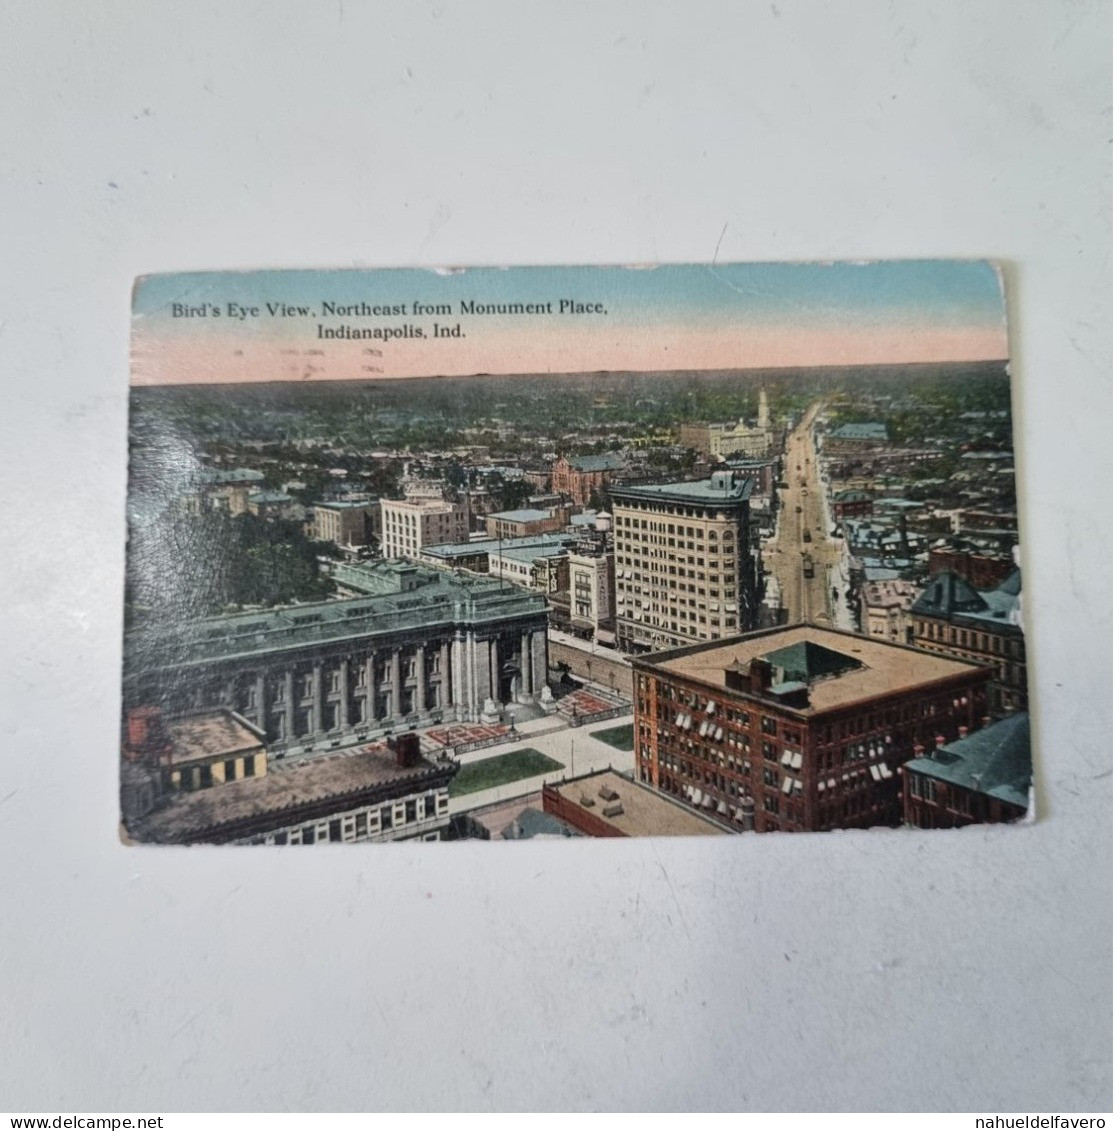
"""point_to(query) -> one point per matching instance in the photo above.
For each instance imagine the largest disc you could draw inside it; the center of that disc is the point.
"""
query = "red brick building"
(804, 727)
(980, 778)
(579, 477)
(852, 504)
(981, 571)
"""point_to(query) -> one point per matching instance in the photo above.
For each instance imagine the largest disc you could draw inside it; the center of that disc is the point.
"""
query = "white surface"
(962, 970)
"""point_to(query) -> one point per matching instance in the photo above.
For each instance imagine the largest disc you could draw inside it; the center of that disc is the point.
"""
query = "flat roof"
(881, 668)
(492, 545)
(524, 514)
(435, 597)
(216, 734)
(318, 779)
(704, 491)
(646, 811)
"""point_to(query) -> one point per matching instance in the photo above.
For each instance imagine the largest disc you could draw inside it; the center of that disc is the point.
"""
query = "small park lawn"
(622, 738)
(504, 768)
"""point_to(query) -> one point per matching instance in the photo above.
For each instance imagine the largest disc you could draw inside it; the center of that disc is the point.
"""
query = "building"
(272, 504)
(476, 556)
(543, 568)
(354, 523)
(885, 609)
(225, 489)
(852, 503)
(526, 521)
(592, 590)
(420, 646)
(979, 778)
(580, 477)
(803, 727)
(198, 751)
(378, 793)
(981, 571)
(852, 438)
(684, 566)
(410, 525)
(607, 804)
(952, 618)
(722, 441)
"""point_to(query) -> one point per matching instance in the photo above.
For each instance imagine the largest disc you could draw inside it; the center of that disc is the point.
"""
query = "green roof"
(605, 462)
(995, 761)
(722, 488)
(949, 597)
(806, 661)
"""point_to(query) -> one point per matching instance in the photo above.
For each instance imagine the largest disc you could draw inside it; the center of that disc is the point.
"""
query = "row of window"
(363, 824)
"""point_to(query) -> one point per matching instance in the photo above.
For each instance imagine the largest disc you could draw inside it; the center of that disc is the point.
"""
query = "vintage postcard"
(555, 552)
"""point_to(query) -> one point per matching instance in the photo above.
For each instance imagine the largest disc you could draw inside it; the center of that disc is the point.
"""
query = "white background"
(965, 970)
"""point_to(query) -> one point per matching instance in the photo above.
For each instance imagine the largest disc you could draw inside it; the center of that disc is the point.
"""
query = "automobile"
(797, 510)
(807, 537)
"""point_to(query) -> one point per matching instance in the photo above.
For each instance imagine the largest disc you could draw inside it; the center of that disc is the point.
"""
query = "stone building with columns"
(416, 646)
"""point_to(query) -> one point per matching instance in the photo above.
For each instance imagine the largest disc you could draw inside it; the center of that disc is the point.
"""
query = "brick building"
(580, 477)
(803, 727)
(852, 504)
(952, 618)
(979, 778)
(981, 571)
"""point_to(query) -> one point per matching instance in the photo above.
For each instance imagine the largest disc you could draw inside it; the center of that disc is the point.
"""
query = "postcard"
(552, 552)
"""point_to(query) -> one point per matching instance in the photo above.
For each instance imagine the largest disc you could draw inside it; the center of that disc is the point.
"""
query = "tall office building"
(685, 567)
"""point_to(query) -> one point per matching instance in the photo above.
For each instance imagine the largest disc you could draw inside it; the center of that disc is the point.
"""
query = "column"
(538, 660)
(493, 663)
(526, 675)
(343, 681)
(288, 705)
(480, 674)
(370, 688)
(315, 708)
(447, 676)
(420, 678)
(396, 685)
(261, 703)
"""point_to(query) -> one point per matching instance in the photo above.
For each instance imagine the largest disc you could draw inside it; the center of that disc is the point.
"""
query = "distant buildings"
(981, 571)
(979, 778)
(684, 565)
(721, 441)
(527, 521)
(796, 728)
(356, 523)
(225, 489)
(580, 477)
(885, 609)
(952, 618)
(410, 525)
(421, 646)
(852, 504)
(272, 504)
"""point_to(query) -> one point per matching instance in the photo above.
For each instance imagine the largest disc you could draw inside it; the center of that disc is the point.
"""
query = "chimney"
(760, 676)
(963, 732)
(407, 750)
(144, 733)
(940, 741)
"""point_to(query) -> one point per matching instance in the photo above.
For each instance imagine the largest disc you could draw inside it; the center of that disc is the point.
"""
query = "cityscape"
(566, 605)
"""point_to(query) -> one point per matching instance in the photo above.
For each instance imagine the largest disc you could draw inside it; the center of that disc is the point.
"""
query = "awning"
(787, 784)
(787, 758)
(796, 760)
(875, 773)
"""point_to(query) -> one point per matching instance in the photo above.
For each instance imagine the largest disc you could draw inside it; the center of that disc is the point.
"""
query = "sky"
(219, 327)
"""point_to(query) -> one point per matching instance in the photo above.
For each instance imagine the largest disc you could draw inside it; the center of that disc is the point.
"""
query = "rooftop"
(871, 430)
(948, 595)
(840, 668)
(645, 811)
(995, 761)
(524, 514)
(333, 776)
(888, 594)
(606, 462)
(401, 596)
(270, 497)
(447, 550)
(211, 736)
(215, 476)
(722, 487)
(347, 505)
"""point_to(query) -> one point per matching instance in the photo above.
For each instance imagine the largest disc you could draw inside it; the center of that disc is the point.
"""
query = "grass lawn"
(490, 772)
(622, 738)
